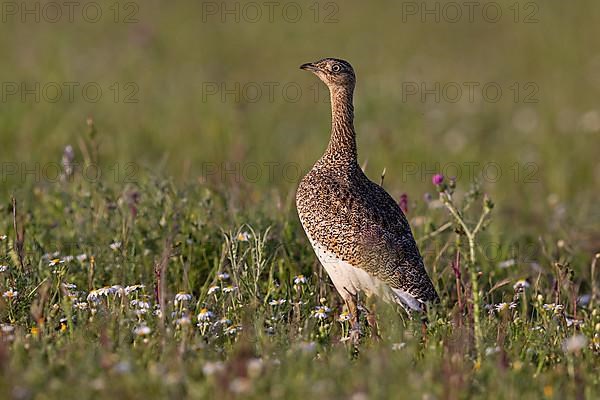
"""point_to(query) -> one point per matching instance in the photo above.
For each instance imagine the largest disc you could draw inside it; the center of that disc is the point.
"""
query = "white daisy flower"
(94, 296)
(229, 289)
(69, 286)
(223, 276)
(144, 305)
(557, 308)
(133, 288)
(321, 312)
(3, 268)
(205, 315)
(55, 261)
(115, 246)
(10, 294)
(213, 290)
(299, 280)
(243, 237)
(521, 285)
(573, 321)
(116, 289)
(502, 307)
(182, 297)
(103, 291)
(345, 316)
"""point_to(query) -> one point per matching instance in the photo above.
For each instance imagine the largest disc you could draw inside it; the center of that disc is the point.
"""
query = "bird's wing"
(370, 231)
(394, 259)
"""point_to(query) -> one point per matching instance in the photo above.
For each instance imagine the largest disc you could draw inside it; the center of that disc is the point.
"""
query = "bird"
(358, 232)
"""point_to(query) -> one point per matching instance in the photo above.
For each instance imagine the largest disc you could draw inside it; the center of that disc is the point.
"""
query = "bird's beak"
(309, 67)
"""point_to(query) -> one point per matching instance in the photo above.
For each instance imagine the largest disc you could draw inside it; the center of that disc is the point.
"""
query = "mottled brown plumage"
(353, 222)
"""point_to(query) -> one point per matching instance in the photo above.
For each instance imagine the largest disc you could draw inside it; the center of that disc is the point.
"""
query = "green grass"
(60, 340)
(165, 195)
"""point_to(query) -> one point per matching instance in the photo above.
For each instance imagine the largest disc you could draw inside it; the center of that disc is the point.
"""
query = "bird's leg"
(372, 318)
(354, 321)
(424, 322)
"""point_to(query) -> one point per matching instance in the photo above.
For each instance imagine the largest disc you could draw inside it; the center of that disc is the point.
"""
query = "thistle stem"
(471, 235)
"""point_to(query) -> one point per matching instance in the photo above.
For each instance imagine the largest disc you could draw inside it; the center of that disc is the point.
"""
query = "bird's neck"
(342, 145)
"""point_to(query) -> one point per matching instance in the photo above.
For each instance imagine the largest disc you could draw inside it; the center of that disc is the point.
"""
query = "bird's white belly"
(349, 280)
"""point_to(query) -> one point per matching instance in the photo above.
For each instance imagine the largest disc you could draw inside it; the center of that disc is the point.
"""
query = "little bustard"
(357, 230)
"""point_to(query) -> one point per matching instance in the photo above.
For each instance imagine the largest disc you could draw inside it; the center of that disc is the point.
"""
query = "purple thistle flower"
(403, 203)
(437, 179)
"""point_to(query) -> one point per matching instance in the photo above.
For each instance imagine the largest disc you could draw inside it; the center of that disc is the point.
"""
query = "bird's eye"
(336, 68)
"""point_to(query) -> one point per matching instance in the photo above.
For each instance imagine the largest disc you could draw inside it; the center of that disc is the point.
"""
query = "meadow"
(149, 242)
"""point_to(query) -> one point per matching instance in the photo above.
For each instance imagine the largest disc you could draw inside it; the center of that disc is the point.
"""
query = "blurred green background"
(171, 56)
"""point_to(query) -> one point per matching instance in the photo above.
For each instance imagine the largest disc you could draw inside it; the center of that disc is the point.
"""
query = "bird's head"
(334, 72)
